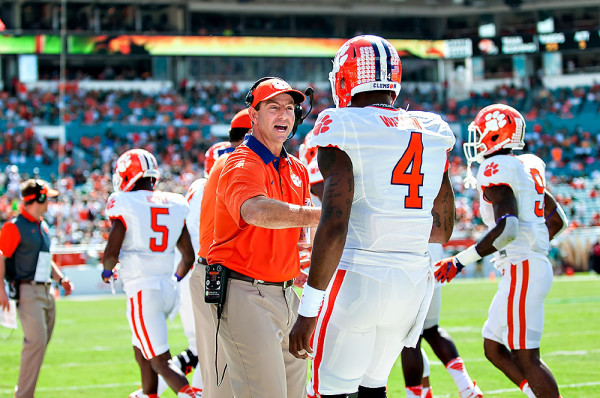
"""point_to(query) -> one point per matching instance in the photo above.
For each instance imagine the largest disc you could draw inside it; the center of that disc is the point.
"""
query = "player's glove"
(447, 269)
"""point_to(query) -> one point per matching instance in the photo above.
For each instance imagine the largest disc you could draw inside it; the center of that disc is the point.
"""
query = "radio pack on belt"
(215, 284)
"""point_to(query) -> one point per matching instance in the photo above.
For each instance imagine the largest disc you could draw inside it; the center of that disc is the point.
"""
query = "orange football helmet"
(364, 63)
(133, 165)
(495, 127)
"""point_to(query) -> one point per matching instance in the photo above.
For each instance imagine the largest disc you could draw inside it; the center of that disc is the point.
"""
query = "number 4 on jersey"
(408, 171)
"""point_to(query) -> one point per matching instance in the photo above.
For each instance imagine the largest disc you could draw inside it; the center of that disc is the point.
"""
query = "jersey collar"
(262, 151)
(28, 216)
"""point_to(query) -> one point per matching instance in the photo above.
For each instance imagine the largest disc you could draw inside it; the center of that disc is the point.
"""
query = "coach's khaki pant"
(205, 341)
(255, 327)
(36, 310)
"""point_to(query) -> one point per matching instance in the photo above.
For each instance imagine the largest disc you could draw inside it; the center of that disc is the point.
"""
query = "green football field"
(90, 353)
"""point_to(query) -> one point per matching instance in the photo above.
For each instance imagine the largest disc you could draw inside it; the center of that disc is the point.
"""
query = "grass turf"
(90, 354)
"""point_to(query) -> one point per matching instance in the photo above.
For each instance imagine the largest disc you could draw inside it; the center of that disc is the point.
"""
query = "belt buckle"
(257, 281)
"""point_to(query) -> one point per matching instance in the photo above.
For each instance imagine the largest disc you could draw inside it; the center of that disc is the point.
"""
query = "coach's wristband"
(179, 278)
(107, 273)
(310, 302)
(468, 256)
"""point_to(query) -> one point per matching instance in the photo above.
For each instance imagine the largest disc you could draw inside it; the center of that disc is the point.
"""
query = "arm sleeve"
(241, 180)
(9, 239)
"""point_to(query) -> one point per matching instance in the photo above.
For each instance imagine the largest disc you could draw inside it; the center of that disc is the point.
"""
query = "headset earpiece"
(250, 96)
(40, 195)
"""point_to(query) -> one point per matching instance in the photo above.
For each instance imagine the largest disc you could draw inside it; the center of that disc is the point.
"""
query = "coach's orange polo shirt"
(207, 207)
(266, 254)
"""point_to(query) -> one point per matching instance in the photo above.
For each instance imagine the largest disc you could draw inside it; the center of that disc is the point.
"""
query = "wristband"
(107, 273)
(468, 256)
(176, 275)
(310, 302)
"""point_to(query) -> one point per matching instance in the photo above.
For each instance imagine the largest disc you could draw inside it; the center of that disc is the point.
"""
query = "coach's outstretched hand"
(446, 269)
(300, 336)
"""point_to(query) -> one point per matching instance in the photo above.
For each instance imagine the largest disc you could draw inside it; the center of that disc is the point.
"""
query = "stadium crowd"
(171, 125)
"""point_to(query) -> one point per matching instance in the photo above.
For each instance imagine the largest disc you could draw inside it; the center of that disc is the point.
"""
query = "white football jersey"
(154, 221)
(398, 159)
(308, 156)
(525, 174)
(194, 198)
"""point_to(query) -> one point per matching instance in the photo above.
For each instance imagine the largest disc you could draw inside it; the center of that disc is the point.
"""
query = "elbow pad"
(510, 232)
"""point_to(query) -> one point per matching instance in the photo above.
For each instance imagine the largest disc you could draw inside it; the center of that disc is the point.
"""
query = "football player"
(213, 153)
(146, 227)
(386, 194)
(522, 217)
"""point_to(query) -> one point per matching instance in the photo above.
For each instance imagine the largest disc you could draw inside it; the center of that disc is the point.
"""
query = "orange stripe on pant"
(146, 340)
(135, 330)
(522, 300)
(511, 299)
(335, 289)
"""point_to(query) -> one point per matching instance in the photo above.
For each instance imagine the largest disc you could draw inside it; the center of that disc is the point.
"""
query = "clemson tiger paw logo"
(322, 125)
(495, 121)
(490, 170)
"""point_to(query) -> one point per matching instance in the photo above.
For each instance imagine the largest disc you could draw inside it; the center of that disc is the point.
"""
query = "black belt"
(246, 278)
(33, 282)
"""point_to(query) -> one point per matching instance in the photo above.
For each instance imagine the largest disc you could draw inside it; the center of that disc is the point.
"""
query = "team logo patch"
(490, 169)
(495, 121)
(110, 204)
(280, 85)
(296, 180)
(322, 125)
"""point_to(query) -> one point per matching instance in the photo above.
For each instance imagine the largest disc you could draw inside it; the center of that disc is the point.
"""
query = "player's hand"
(446, 269)
(300, 336)
(106, 275)
(67, 286)
(3, 300)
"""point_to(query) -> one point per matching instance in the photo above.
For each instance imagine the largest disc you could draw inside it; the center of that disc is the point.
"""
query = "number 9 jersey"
(524, 174)
(398, 160)
(153, 221)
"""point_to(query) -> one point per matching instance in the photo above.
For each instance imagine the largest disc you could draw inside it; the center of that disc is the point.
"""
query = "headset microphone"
(298, 117)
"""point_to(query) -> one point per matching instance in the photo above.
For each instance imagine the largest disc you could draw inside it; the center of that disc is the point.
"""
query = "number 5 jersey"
(153, 221)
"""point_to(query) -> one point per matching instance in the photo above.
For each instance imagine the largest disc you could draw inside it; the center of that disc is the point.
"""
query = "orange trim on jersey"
(447, 166)
(335, 289)
(119, 218)
(522, 301)
(9, 239)
(148, 342)
(484, 187)
(190, 196)
(135, 330)
(511, 300)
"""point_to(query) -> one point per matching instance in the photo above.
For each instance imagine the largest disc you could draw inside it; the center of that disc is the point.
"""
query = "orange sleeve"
(241, 180)
(9, 239)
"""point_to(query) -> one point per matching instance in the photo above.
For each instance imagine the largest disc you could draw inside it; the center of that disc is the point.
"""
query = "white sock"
(526, 389)
(456, 369)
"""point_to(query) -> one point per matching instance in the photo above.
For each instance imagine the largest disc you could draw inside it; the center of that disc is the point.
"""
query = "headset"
(39, 194)
(298, 117)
